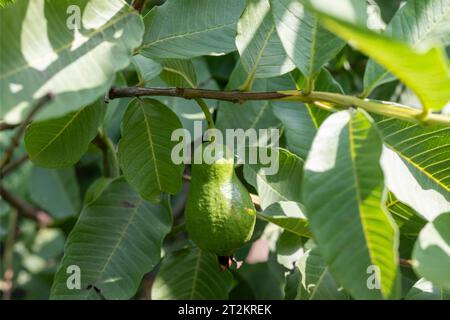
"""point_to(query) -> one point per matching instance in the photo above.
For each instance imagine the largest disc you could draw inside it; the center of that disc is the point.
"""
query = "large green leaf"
(283, 185)
(61, 142)
(116, 240)
(431, 255)
(418, 22)
(289, 216)
(41, 54)
(425, 290)
(342, 194)
(184, 29)
(55, 191)
(301, 121)
(416, 164)
(191, 274)
(316, 281)
(145, 148)
(259, 46)
(307, 43)
(426, 72)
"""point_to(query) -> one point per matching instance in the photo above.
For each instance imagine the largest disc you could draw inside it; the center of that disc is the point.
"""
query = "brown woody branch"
(189, 93)
(15, 140)
(25, 209)
(13, 166)
(320, 99)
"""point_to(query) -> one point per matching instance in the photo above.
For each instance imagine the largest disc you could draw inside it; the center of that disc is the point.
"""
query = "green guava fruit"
(219, 215)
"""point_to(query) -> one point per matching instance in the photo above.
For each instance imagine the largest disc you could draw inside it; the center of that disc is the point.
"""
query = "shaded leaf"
(289, 216)
(316, 281)
(281, 185)
(55, 191)
(116, 240)
(191, 274)
(145, 148)
(425, 290)
(61, 142)
(431, 255)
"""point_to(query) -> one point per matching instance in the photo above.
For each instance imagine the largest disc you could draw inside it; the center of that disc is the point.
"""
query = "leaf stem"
(208, 115)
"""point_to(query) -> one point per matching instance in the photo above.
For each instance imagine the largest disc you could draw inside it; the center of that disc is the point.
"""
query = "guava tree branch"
(319, 98)
(15, 140)
(26, 209)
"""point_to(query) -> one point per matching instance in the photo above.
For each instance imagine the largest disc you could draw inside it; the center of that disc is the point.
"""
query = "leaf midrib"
(152, 151)
(58, 134)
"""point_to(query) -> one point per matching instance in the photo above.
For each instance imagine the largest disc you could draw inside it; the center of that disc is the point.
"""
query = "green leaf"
(416, 164)
(272, 288)
(354, 11)
(283, 185)
(259, 46)
(250, 114)
(429, 77)
(431, 255)
(308, 44)
(408, 220)
(289, 248)
(289, 216)
(191, 274)
(55, 191)
(301, 121)
(418, 22)
(316, 281)
(116, 240)
(342, 194)
(145, 148)
(184, 29)
(148, 69)
(179, 73)
(61, 142)
(425, 290)
(41, 54)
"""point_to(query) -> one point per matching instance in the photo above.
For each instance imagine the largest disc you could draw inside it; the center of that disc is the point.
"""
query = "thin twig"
(339, 100)
(8, 126)
(13, 166)
(405, 263)
(138, 5)
(15, 140)
(26, 209)
(190, 93)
